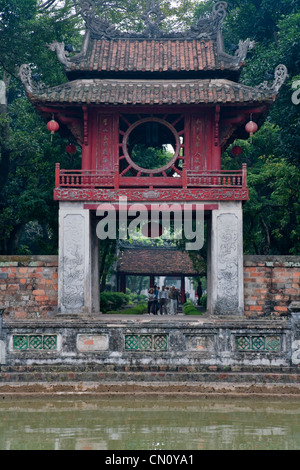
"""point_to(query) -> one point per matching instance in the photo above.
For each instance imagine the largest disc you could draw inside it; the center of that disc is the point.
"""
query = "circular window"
(151, 145)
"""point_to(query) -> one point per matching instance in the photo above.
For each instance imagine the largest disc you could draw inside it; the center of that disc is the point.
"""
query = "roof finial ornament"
(99, 27)
(219, 11)
(153, 17)
(280, 74)
(207, 27)
(30, 84)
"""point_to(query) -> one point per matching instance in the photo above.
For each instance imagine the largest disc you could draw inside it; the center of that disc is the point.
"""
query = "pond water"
(149, 424)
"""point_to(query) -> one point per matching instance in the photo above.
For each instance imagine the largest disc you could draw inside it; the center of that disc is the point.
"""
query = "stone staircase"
(142, 380)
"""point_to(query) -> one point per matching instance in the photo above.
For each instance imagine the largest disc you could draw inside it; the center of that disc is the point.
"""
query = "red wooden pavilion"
(129, 92)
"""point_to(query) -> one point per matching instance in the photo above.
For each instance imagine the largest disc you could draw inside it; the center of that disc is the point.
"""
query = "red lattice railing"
(112, 179)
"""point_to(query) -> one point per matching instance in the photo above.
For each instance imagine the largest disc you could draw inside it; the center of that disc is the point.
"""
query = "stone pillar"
(226, 260)
(78, 287)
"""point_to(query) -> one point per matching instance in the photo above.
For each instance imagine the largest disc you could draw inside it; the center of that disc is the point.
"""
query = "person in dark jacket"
(199, 292)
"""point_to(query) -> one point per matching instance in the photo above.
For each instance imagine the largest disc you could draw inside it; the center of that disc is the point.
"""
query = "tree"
(27, 158)
(28, 214)
(272, 214)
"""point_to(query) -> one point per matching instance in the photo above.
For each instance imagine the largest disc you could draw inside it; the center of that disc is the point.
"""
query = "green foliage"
(27, 158)
(112, 301)
(203, 300)
(27, 162)
(134, 298)
(26, 26)
(190, 309)
(136, 310)
(127, 14)
(150, 157)
(272, 214)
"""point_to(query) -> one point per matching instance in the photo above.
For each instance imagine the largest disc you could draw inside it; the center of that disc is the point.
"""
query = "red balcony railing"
(112, 179)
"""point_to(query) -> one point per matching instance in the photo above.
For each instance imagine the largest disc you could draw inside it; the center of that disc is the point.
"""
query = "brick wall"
(28, 286)
(271, 284)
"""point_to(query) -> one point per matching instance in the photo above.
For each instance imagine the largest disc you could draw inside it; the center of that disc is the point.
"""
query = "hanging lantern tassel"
(251, 128)
(52, 126)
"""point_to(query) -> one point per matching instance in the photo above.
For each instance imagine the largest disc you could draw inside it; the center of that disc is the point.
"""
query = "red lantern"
(71, 149)
(236, 150)
(251, 128)
(52, 126)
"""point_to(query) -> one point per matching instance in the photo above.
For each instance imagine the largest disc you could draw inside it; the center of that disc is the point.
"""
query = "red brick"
(38, 292)
(13, 286)
(20, 314)
(41, 298)
(280, 309)
(35, 275)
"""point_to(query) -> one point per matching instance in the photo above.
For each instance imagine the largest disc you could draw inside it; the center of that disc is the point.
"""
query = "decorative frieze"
(206, 194)
(146, 342)
(35, 342)
(258, 343)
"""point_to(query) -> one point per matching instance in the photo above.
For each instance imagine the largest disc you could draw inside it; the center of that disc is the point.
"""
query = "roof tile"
(149, 56)
(156, 261)
(120, 92)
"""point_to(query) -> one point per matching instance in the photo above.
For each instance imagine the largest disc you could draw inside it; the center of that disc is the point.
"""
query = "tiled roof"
(160, 92)
(150, 55)
(151, 261)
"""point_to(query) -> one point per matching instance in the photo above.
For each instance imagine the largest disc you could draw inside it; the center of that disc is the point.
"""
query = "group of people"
(163, 301)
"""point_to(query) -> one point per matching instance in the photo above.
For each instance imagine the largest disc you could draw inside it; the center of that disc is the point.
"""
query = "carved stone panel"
(227, 261)
(92, 343)
(227, 279)
(72, 275)
(74, 285)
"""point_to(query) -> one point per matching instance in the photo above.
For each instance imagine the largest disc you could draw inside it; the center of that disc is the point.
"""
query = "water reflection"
(148, 424)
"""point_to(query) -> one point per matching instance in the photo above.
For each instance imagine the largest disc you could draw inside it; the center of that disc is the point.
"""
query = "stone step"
(98, 375)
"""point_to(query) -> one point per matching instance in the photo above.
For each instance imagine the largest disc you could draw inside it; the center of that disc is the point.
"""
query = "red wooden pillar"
(215, 139)
(151, 281)
(85, 162)
(123, 283)
(182, 290)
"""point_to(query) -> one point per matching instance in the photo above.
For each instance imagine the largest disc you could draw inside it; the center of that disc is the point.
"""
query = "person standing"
(151, 300)
(173, 301)
(168, 300)
(163, 301)
(199, 292)
(156, 291)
